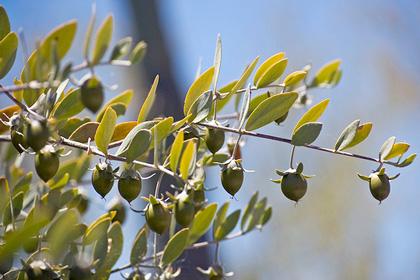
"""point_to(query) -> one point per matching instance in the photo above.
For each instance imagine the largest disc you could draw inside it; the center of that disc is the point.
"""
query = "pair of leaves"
(392, 149)
(270, 70)
(223, 224)
(307, 130)
(353, 134)
(329, 75)
(256, 214)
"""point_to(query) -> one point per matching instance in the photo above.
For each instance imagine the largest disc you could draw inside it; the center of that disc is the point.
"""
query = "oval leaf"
(306, 134)
(347, 135)
(201, 223)
(386, 148)
(362, 133)
(69, 106)
(123, 98)
(272, 73)
(105, 130)
(267, 64)
(245, 76)
(8, 48)
(84, 132)
(103, 38)
(271, 109)
(139, 249)
(187, 160)
(294, 78)
(198, 87)
(228, 225)
(398, 149)
(148, 102)
(135, 144)
(313, 114)
(176, 150)
(175, 247)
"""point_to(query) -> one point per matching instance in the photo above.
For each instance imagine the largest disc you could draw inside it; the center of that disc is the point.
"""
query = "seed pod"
(36, 135)
(103, 178)
(129, 185)
(215, 138)
(294, 186)
(379, 186)
(232, 177)
(92, 94)
(157, 216)
(18, 139)
(184, 209)
(117, 205)
(198, 197)
(46, 163)
(282, 118)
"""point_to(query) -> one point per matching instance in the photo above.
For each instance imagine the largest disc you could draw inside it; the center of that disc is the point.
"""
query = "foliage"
(42, 217)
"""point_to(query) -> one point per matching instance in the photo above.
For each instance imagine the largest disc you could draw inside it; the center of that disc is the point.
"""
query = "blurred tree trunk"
(168, 100)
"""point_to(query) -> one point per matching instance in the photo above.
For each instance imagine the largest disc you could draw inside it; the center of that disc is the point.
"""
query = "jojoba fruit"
(36, 135)
(157, 216)
(46, 163)
(103, 178)
(18, 140)
(379, 186)
(129, 185)
(294, 186)
(199, 198)
(92, 94)
(184, 209)
(232, 177)
(215, 138)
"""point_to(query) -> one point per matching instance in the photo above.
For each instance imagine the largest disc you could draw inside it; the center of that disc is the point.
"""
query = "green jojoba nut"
(36, 135)
(92, 94)
(157, 216)
(294, 186)
(47, 163)
(18, 140)
(379, 186)
(102, 178)
(129, 185)
(215, 138)
(232, 177)
(184, 209)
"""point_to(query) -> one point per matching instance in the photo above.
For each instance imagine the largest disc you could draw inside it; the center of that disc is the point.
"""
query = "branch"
(289, 141)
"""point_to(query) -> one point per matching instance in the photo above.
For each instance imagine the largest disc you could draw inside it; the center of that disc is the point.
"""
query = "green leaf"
(88, 35)
(4, 23)
(228, 225)
(294, 78)
(407, 161)
(257, 214)
(398, 149)
(124, 98)
(245, 106)
(329, 74)
(313, 114)
(347, 135)
(68, 126)
(121, 49)
(306, 134)
(176, 150)
(62, 231)
(187, 159)
(97, 229)
(135, 144)
(272, 73)
(84, 132)
(59, 40)
(201, 223)
(17, 204)
(115, 246)
(69, 106)
(163, 129)
(201, 107)
(266, 216)
(271, 109)
(139, 249)
(198, 87)
(386, 148)
(175, 247)
(8, 48)
(105, 130)
(256, 101)
(245, 76)
(138, 53)
(225, 89)
(248, 211)
(148, 103)
(362, 133)
(217, 62)
(266, 65)
(103, 38)
(22, 185)
(220, 217)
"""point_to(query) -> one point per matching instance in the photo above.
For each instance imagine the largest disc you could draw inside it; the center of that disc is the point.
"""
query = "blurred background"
(337, 231)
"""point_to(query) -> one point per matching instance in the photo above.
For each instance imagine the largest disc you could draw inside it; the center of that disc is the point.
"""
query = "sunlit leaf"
(329, 74)
(4, 23)
(398, 149)
(103, 38)
(228, 225)
(347, 135)
(245, 76)
(8, 48)
(124, 98)
(362, 133)
(122, 129)
(294, 78)
(386, 148)
(198, 87)
(69, 106)
(267, 64)
(105, 130)
(201, 223)
(148, 102)
(176, 150)
(273, 73)
(271, 109)
(313, 114)
(138, 52)
(187, 159)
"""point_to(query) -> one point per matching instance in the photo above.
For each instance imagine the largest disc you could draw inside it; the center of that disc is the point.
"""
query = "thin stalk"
(292, 153)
